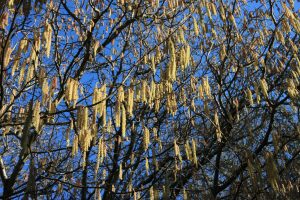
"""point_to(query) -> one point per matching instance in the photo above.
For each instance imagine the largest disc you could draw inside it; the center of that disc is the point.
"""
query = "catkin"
(249, 96)
(177, 151)
(195, 159)
(7, 52)
(47, 35)
(272, 171)
(120, 99)
(147, 166)
(196, 28)
(256, 88)
(36, 115)
(218, 128)
(171, 71)
(232, 20)
(264, 87)
(45, 92)
(130, 96)
(188, 151)
(123, 128)
(71, 93)
(144, 91)
(146, 138)
(120, 172)
(75, 146)
(206, 87)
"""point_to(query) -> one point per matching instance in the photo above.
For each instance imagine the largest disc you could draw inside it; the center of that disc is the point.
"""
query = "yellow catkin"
(232, 20)
(7, 52)
(151, 193)
(194, 148)
(249, 96)
(144, 91)
(35, 49)
(222, 13)
(218, 128)
(146, 138)
(172, 68)
(99, 157)
(120, 99)
(185, 196)
(36, 115)
(75, 146)
(147, 166)
(99, 99)
(47, 35)
(45, 92)
(200, 92)
(222, 52)
(272, 171)
(153, 68)
(206, 87)
(188, 151)
(256, 88)
(196, 28)
(177, 151)
(71, 93)
(130, 96)
(123, 128)
(264, 87)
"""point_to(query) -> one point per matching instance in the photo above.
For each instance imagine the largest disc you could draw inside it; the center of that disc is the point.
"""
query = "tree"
(135, 99)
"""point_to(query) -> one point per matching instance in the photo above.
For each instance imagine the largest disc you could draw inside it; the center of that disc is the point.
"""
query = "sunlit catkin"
(172, 68)
(249, 96)
(188, 150)
(120, 172)
(147, 166)
(218, 128)
(256, 88)
(120, 99)
(36, 115)
(232, 20)
(264, 87)
(194, 148)
(196, 28)
(123, 128)
(75, 146)
(146, 138)
(47, 35)
(130, 96)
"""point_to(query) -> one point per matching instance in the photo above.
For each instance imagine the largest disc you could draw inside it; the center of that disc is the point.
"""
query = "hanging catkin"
(177, 151)
(144, 91)
(171, 70)
(249, 96)
(206, 87)
(36, 115)
(147, 166)
(120, 172)
(196, 28)
(120, 99)
(256, 88)
(194, 147)
(272, 171)
(264, 87)
(7, 52)
(123, 128)
(130, 96)
(75, 146)
(146, 138)
(71, 93)
(47, 35)
(188, 150)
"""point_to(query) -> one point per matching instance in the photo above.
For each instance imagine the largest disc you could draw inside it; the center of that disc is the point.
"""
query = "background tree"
(135, 99)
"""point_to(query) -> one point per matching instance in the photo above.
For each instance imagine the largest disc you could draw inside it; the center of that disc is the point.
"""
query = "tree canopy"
(149, 99)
